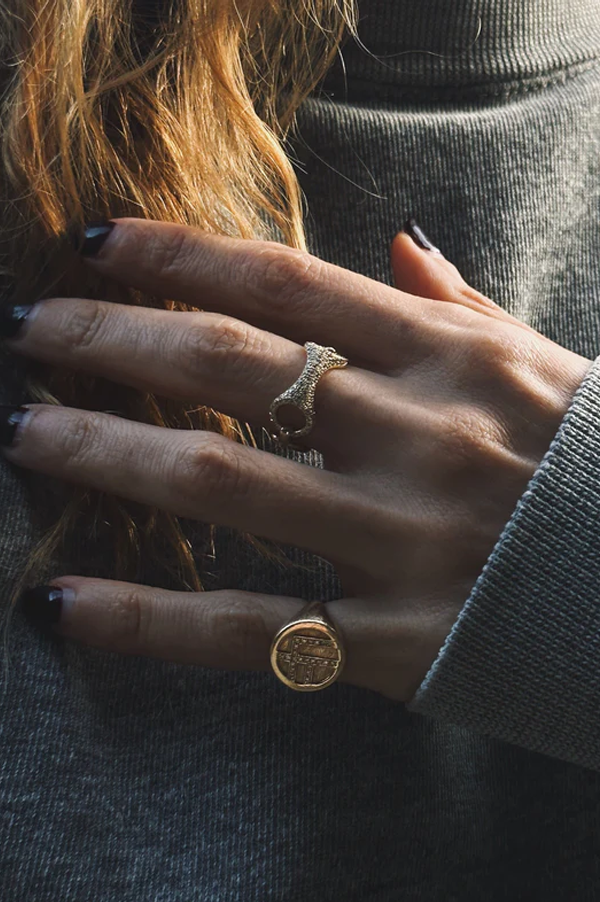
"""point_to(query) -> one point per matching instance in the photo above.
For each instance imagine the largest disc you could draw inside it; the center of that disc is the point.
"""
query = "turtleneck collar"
(467, 46)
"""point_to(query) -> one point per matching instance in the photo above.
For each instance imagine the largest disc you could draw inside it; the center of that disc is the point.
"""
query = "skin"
(429, 438)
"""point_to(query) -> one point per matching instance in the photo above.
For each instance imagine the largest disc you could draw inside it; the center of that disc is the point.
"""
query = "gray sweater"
(135, 780)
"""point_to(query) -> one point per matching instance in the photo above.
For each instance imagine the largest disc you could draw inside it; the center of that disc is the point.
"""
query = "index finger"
(269, 285)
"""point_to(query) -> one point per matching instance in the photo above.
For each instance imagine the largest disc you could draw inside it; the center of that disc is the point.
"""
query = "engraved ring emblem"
(307, 653)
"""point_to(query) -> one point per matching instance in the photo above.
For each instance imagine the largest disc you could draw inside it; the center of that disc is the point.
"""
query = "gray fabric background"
(131, 779)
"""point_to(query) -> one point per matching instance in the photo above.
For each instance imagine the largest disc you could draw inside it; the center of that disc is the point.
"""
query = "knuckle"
(491, 353)
(280, 275)
(470, 437)
(84, 324)
(239, 630)
(80, 441)
(171, 252)
(214, 344)
(129, 617)
(213, 471)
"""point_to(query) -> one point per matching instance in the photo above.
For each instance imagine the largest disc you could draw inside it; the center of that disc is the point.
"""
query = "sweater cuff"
(522, 662)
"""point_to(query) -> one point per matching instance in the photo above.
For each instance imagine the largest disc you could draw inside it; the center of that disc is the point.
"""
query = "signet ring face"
(308, 654)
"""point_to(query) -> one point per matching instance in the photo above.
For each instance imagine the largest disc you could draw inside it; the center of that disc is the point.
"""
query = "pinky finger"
(230, 629)
(225, 629)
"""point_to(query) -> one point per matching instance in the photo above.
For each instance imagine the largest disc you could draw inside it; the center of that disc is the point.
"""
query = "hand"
(429, 438)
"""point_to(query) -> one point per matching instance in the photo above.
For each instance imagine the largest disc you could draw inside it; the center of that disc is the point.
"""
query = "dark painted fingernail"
(12, 319)
(42, 605)
(419, 237)
(10, 420)
(94, 236)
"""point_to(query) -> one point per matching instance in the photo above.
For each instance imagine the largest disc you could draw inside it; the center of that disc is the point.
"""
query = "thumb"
(419, 268)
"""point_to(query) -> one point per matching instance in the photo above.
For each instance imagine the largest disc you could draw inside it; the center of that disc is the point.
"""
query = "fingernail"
(94, 236)
(419, 237)
(12, 319)
(10, 420)
(45, 605)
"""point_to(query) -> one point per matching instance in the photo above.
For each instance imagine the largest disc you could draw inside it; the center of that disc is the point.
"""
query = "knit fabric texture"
(135, 779)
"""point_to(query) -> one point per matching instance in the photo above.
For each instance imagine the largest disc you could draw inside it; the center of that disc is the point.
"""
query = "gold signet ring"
(307, 653)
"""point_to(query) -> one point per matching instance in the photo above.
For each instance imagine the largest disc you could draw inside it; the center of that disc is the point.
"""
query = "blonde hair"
(176, 110)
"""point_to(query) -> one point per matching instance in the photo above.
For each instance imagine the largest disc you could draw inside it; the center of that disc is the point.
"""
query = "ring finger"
(201, 357)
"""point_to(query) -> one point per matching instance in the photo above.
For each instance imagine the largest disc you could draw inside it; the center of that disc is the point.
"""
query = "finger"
(388, 648)
(226, 629)
(199, 475)
(430, 275)
(422, 272)
(268, 285)
(203, 358)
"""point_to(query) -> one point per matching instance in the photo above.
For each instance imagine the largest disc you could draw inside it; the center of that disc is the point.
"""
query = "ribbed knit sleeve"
(522, 662)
